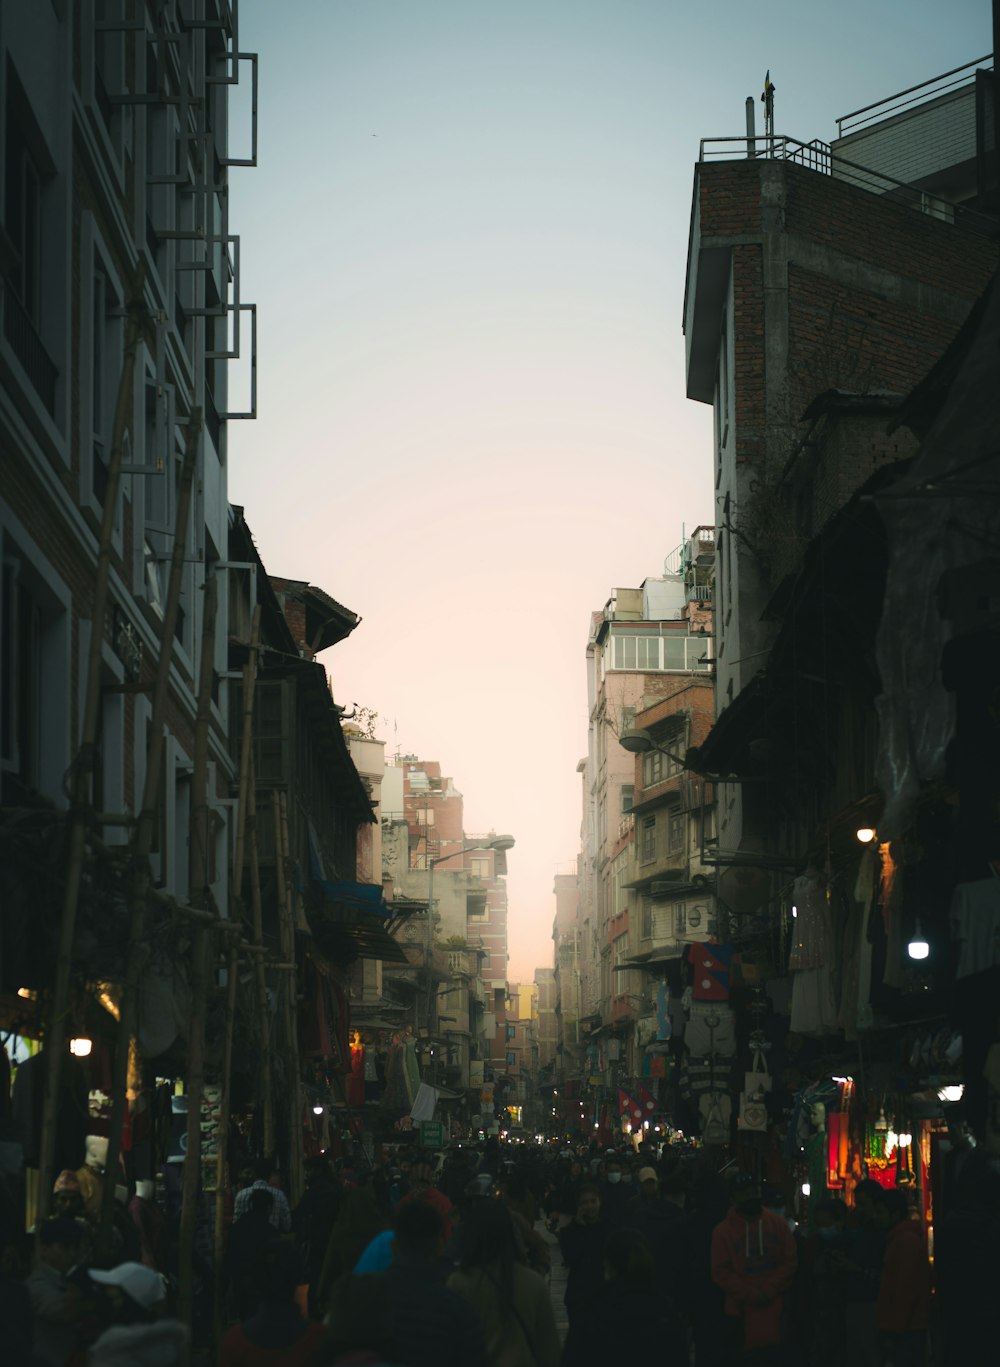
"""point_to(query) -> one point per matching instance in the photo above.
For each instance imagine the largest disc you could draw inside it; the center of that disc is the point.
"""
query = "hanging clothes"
(411, 1066)
(355, 1081)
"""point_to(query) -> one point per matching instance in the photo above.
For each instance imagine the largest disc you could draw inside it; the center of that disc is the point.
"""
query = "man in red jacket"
(753, 1261)
(905, 1290)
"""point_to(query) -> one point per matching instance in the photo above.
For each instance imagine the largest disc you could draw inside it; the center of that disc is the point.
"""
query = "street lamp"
(638, 741)
(500, 843)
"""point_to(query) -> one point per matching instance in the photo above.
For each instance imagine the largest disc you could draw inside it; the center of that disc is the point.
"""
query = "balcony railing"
(699, 593)
(29, 349)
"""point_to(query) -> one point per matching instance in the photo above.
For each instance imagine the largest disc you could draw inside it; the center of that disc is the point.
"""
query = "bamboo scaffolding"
(260, 976)
(201, 897)
(138, 948)
(56, 1032)
(285, 913)
(232, 968)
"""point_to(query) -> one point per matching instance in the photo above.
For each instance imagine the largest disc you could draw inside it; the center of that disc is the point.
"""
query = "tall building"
(823, 281)
(840, 317)
(649, 661)
(122, 309)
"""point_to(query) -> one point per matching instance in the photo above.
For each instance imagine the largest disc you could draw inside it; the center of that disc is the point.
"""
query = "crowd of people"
(427, 1260)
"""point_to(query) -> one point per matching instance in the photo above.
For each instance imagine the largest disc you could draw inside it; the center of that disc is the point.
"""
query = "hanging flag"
(646, 1102)
(625, 1105)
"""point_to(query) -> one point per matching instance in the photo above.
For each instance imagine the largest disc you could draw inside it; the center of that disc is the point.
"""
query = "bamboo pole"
(260, 974)
(246, 741)
(55, 1032)
(232, 969)
(282, 857)
(201, 897)
(138, 948)
(225, 1110)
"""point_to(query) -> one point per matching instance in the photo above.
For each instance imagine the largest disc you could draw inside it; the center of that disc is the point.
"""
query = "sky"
(466, 237)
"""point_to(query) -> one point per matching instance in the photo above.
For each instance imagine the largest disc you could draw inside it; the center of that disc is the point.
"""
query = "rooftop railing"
(819, 157)
(914, 94)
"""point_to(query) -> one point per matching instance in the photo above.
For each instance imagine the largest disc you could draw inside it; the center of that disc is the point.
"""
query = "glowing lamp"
(953, 1092)
(317, 1109)
(865, 834)
(81, 1046)
(805, 1189)
(918, 948)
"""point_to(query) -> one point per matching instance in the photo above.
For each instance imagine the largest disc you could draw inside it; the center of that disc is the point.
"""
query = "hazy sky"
(466, 238)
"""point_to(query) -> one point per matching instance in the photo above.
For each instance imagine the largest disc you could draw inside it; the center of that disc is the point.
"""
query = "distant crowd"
(445, 1261)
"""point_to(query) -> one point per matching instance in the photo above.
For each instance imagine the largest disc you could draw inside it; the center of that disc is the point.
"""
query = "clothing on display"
(975, 919)
(710, 1030)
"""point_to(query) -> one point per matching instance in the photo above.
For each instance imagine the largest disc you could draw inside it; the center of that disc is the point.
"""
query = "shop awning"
(348, 921)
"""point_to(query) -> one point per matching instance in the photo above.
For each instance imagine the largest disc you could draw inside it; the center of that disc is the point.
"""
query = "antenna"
(767, 98)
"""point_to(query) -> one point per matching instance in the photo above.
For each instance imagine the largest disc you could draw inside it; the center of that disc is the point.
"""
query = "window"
(676, 831)
(680, 918)
(722, 387)
(24, 194)
(425, 816)
(27, 173)
(475, 906)
(619, 893)
(657, 767)
(646, 918)
(269, 733)
(628, 797)
(666, 652)
(647, 849)
(480, 868)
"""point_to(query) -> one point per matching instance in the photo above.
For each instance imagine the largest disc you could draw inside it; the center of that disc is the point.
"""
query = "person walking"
(904, 1294)
(634, 1296)
(512, 1301)
(582, 1246)
(140, 1333)
(276, 1333)
(753, 1262)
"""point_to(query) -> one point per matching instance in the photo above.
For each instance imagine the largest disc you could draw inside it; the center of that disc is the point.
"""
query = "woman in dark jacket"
(582, 1245)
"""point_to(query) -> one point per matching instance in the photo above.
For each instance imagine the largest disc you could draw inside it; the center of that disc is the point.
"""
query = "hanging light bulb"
(805, 1189)
(891, 1140)
(918, 948)
(952, 1092)
(905, 1140)
(795, 912)
(81, 1046)
(881, 1125)
(865, 834)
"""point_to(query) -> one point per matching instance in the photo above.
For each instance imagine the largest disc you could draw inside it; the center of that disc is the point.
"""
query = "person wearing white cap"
(139, 1336)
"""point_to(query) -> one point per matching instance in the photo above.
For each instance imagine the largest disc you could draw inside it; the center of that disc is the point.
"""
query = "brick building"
(817, 296)
(837, 302)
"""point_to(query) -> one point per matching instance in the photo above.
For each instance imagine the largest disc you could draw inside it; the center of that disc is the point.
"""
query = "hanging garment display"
(975, 919)
(710, 1030)
(716, 1111)
(411, 1064)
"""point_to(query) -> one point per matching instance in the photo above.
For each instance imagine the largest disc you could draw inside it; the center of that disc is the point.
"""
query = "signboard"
(431, 1134)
